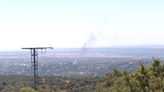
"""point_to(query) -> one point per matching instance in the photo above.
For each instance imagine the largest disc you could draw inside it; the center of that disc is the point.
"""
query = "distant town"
(73, 62)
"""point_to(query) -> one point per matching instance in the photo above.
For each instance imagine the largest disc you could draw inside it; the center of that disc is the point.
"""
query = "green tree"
(54, 89)
(1, 87)
(27, 89)
(4, 83)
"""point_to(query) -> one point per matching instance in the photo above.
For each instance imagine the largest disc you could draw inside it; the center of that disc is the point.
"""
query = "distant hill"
(138, 46)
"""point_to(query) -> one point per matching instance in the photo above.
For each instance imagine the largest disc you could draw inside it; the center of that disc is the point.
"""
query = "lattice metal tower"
(34, 63)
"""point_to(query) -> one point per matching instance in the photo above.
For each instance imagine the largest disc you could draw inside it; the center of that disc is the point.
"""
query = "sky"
(80, 23)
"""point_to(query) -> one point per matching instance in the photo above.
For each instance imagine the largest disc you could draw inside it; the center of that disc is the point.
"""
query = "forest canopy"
(144, 79)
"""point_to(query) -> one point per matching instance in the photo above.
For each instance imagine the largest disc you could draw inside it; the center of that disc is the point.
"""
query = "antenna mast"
(34, 62)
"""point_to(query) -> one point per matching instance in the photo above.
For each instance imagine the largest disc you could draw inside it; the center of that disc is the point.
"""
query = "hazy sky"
(78, 23)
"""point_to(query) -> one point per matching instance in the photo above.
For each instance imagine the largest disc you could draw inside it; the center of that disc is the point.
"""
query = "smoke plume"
(89, 43)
